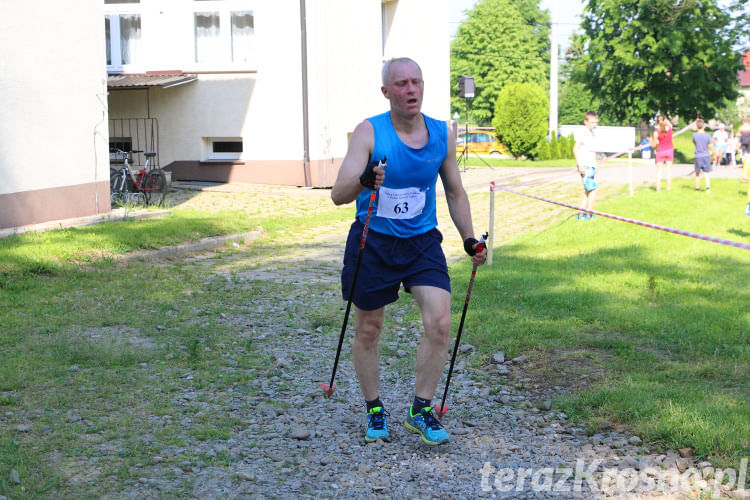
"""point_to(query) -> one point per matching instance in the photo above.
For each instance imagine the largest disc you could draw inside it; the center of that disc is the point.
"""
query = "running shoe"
(591, 217)
(747, 210)
(427, 426)
(377, 426)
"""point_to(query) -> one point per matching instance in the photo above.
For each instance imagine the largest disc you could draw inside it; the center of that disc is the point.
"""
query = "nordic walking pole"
(442, 408)
(328, 388)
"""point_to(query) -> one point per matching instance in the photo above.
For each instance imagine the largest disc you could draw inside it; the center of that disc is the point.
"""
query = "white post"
(491, 232)
(553, 70)
(630, 170)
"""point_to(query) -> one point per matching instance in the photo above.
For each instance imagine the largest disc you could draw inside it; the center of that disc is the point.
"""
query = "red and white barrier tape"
(712, 239)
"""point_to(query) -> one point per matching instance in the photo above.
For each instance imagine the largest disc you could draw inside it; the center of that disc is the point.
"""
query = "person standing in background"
(702, 161)
(664, 150)
(585, 153)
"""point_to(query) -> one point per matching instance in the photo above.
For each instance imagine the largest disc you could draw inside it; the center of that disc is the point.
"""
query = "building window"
(130, 37)
(242, 36)
(122, 28)
(222, 148)
(207, 37)
(223, 34)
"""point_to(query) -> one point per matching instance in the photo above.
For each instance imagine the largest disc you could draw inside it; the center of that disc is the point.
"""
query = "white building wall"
(53, 96)
(344, 61)
(346, 53)
(420, 30)
(346, 49)
(263, 106)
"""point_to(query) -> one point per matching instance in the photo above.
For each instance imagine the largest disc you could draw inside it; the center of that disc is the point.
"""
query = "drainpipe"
(305, 118)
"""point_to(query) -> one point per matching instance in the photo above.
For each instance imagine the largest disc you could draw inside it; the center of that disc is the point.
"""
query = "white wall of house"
(347, 45)
(53, 96)
(261, 100)
(53, 133)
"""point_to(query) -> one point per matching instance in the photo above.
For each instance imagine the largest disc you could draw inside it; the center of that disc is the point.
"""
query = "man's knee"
(368, 329)
(437, 328)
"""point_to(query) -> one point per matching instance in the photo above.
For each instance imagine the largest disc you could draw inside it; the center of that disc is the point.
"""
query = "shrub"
(554, 148)
(542, 150)
(521, 111)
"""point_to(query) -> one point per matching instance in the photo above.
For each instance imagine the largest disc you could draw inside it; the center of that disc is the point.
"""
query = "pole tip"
(441, 410)
(328, 390)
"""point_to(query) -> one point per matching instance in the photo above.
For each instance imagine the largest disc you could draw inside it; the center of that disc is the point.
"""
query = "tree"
(521, 112)
(673, 56)
(574, 101)
(500, 42)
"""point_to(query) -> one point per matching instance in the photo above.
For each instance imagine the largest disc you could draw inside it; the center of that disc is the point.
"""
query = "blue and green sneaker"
(377, 426)
(427, 426)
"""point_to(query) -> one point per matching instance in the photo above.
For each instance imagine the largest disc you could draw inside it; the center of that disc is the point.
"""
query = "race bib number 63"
(400, 203)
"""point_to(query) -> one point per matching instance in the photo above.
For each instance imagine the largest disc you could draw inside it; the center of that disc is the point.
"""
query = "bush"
(566, 146)
(554, 148)
(542, 151)
(521, 111)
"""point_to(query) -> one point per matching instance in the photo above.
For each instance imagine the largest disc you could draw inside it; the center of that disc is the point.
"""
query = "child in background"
(585, 153)
(703, 149)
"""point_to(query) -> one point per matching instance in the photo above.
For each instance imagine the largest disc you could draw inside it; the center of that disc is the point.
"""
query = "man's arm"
(455, 195)
(347, 186)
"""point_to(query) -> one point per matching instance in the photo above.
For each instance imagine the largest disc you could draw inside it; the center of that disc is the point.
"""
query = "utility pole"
(553, 71)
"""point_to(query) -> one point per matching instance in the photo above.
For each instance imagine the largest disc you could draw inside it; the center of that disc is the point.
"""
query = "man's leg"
(365, 351)
(432, 353)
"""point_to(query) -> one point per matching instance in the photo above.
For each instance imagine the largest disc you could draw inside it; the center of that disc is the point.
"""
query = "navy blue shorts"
(702, 163)
(387, 262)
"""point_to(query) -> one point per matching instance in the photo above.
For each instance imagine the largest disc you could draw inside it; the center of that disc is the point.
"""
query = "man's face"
(591, 122)
(405, 88)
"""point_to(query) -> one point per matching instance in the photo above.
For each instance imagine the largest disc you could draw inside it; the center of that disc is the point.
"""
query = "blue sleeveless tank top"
(410, 178)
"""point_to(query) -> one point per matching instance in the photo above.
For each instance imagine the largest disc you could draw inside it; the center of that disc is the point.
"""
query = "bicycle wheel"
(116, 188)
(155, 187)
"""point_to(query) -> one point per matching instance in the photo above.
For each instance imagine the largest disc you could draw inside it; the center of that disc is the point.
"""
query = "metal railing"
(128, 134)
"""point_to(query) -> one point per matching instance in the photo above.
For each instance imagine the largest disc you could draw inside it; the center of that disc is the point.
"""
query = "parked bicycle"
(146, 186)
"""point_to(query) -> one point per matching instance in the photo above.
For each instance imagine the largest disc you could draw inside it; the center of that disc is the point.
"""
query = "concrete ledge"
(203, 245)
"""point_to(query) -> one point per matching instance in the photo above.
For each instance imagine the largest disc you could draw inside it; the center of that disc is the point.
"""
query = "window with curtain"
(130, 37)
(207, 37)
(108, 38)
(242, 36)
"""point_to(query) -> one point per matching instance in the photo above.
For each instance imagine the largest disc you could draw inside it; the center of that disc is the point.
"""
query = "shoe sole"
(386, 439)
(415, 430)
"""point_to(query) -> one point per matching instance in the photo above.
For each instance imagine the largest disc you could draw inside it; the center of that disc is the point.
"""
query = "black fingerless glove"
(367, 179)
(469, 246)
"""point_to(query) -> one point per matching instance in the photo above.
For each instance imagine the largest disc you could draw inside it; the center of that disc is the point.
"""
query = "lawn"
(656, 326)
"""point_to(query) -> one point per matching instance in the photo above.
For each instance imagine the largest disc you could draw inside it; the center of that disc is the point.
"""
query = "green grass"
(48, 252)
(661, 322)
(473, 161)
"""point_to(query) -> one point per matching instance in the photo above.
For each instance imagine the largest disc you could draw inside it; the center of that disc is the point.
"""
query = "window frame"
(210, 156)
(113, 13)
(224, 9)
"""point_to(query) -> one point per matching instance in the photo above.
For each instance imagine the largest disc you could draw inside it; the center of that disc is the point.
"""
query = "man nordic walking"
(403, 242)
